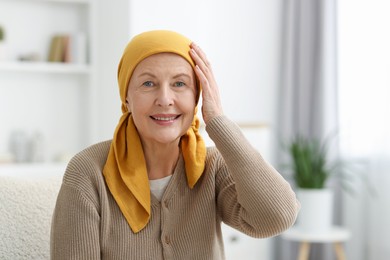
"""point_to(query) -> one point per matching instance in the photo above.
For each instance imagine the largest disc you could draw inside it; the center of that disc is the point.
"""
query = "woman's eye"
(180, 84)
(148, 84)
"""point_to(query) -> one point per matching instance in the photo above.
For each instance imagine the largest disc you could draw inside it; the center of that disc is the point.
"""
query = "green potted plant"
(311, 171)
(2, 36)
(310, 165)
(2, 43)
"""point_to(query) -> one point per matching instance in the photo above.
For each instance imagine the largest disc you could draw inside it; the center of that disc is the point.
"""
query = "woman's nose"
(165, 96)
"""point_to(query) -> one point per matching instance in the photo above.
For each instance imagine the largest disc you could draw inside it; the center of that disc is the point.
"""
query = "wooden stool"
(335, 235)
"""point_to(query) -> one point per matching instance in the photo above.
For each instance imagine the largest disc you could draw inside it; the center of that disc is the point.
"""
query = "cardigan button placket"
(167, 240)
(165, 220)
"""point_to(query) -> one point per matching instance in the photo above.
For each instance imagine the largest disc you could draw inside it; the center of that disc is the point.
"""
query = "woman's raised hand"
(211, 106)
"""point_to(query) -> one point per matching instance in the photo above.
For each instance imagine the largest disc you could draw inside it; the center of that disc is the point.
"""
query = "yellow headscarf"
(125, 168)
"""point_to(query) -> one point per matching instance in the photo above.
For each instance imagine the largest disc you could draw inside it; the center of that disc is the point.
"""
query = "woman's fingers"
(201, 60)
(211, 99)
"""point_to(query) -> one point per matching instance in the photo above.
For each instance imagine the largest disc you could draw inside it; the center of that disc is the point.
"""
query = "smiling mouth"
(169, 118)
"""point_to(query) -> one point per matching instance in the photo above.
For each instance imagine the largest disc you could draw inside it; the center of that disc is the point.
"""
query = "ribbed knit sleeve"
(75, 227)
(252, 196)
(75, 232)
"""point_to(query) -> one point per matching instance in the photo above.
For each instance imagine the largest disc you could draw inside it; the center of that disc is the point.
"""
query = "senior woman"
(155, 191)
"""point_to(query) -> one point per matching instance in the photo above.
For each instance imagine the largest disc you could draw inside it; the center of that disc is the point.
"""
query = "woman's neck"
(161, 161)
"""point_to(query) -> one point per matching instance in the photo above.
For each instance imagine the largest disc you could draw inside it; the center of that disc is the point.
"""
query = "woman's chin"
(164, 139)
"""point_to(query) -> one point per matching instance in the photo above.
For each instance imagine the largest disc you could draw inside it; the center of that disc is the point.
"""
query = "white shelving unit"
(45, 67)
(55, 99)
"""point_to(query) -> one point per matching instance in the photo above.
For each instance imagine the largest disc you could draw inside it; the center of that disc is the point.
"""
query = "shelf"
(58, 1)
(44, 67)
(32, 169)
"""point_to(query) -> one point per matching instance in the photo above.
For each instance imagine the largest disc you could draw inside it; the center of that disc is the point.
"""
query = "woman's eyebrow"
(182, 75)
(146, 73)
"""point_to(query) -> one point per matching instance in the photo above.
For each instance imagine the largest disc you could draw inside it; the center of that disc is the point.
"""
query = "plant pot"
(316, 214)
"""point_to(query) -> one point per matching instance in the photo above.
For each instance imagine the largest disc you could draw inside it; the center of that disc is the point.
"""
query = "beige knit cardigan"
(238, 187)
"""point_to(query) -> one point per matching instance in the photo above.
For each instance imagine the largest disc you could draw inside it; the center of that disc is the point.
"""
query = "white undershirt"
(157, 187)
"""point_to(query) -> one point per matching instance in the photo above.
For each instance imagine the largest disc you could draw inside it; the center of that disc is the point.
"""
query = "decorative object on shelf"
(58, 48)
(26, 147)
(78, 48)
(68, 48)
(311, 171)
(29, 57)
(3, 50)
(36, 146)
(19, 146)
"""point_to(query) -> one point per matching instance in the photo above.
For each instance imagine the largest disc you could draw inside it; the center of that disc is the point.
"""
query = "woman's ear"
(128, 105)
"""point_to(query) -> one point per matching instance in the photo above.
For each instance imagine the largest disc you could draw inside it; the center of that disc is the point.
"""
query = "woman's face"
(161, 98)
